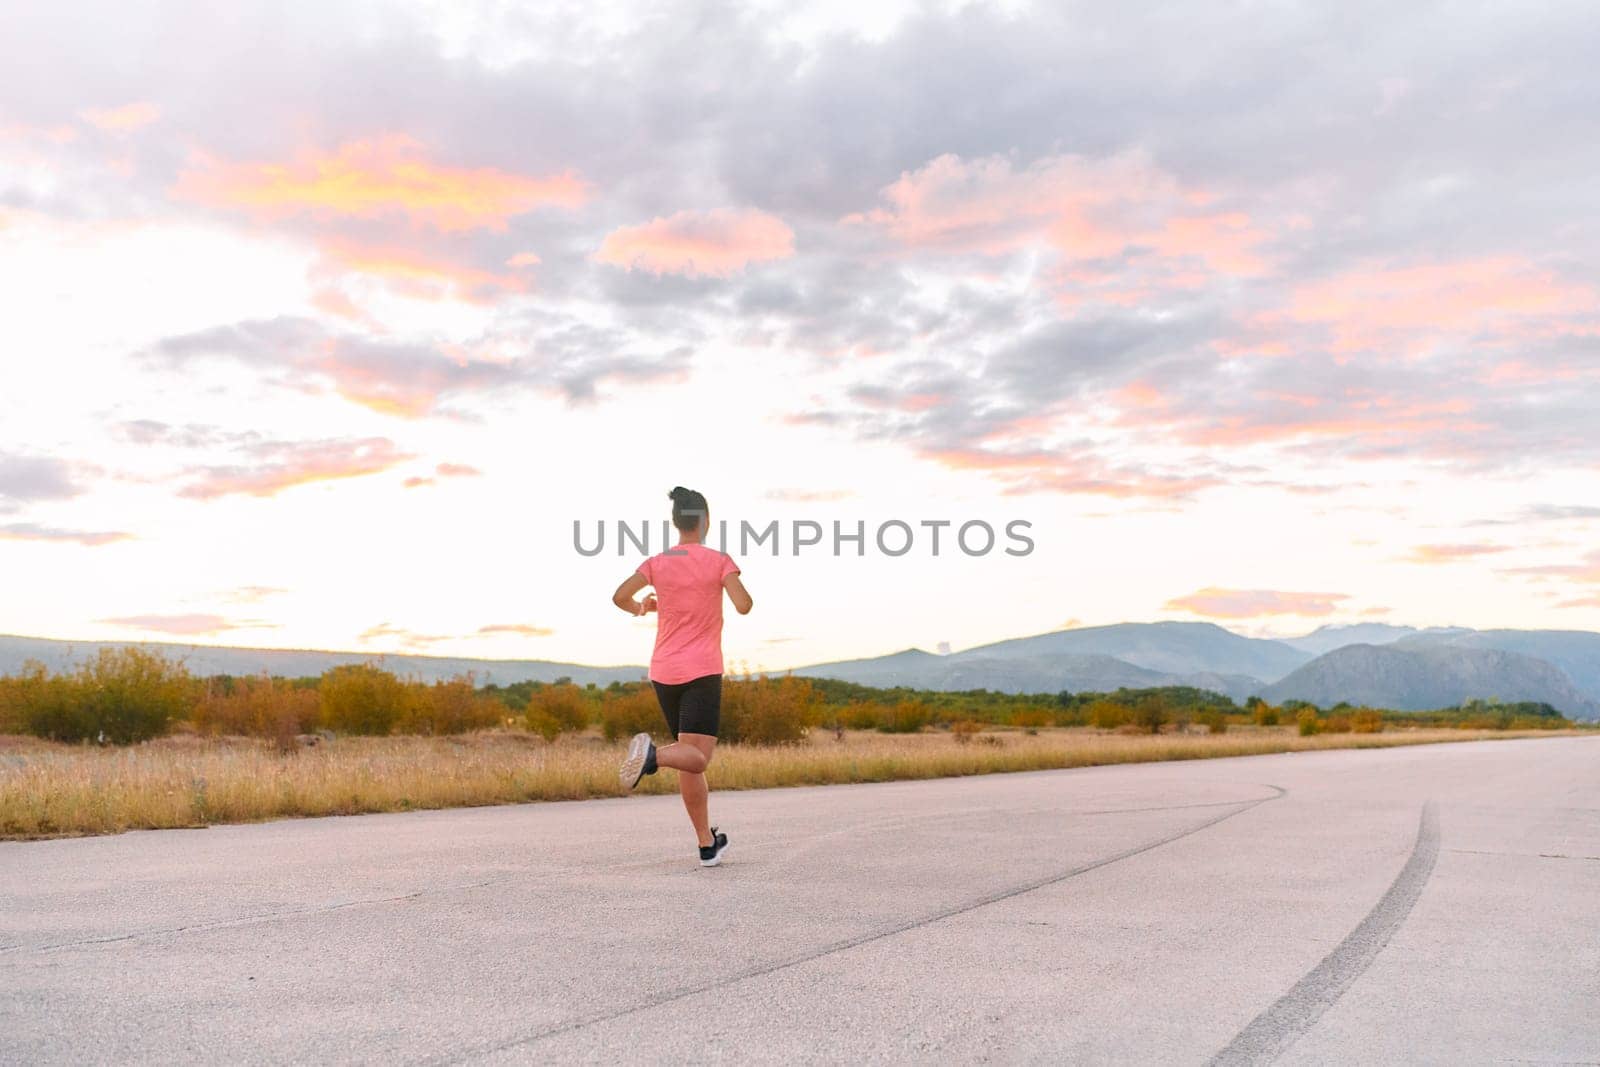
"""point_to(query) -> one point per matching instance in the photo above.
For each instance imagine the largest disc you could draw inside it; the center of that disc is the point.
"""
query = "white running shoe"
(639, 761)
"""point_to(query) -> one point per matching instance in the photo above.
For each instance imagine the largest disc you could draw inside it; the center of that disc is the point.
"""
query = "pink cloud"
(411, 638)
(377, 178)
(715, 244)
(27, 531)
(185, 625)
(1586, 572)
(124, 119)
(409, 270)
(809, 496)
(278, 466)
(1023, 471)
(1451, 553)
(443, 470)
(1253, 603)
(1377, 304)
(522, 629)
(1085, 209)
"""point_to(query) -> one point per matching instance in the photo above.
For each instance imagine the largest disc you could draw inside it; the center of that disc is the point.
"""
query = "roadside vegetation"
(131, 740)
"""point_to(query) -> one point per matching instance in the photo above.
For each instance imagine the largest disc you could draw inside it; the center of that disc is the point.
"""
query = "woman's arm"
(736, 593)
(623, 597)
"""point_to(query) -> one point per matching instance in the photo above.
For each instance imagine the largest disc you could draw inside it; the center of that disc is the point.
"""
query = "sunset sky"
(323, 323)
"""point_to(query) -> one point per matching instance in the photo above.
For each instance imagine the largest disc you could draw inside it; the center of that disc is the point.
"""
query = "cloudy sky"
(323, 323)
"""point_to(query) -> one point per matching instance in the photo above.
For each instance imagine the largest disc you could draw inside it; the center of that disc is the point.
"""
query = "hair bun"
(678, 493)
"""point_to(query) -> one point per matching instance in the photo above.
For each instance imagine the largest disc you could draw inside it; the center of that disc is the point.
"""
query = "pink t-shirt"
(688, 584)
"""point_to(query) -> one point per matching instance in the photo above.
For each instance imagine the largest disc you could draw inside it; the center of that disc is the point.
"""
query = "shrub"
(38, 702)
(1214, 721)
(1151, 714)
(257, 707)
(1367, 721)
(1264, 714)
(1337, 724)
(362, 699)
(859, 715)
(1107, 714)
(1069, 716)
(557, 709)
(906, 717)
(1031, 719)
(625, 712)
(13, 698)
(123, 695)
(964, 731)
(1307, 718)
(450, 707)
(769, 711)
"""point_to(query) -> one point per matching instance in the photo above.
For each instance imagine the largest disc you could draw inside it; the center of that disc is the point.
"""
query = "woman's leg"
(689, 757)
(699, 713)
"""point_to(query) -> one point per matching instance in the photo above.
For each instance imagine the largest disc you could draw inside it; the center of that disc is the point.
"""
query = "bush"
(362, 699)
(450, 707)
(1337, 724)
(1214, 721)
(964, 731)
(1069, 716)
(769, 711)
(1032, 719)
(1107, 714)
(906, 717)
(1367, 721)
(39, 703)
(258, 707)
(1264, 714)
(1307, 718)
(123, 695)
(1151, 715)
(625, 712)
(859, 715)
(557, 709)
(14, 696)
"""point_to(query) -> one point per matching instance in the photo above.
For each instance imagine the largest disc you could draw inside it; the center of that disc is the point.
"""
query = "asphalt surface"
(1435, 904)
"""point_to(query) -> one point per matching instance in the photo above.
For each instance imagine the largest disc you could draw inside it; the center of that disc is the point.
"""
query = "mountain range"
(1398, 667)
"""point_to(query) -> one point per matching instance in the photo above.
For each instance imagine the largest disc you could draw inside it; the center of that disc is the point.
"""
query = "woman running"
(686, 666)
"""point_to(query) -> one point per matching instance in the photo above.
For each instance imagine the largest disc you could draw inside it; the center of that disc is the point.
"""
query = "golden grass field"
(49, 789)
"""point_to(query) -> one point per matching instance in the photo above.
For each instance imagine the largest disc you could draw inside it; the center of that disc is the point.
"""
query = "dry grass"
(49, 789)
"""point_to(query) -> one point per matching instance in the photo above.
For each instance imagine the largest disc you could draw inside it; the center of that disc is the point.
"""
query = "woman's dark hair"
(689, 508)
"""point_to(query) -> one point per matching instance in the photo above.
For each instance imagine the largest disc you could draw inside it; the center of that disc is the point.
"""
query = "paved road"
(1438, 904)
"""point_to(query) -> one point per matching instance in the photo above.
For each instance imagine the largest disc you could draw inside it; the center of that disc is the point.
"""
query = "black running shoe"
(640, 761)
(711, 855)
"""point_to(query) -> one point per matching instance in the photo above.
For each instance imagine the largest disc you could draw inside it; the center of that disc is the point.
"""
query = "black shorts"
(692, 707)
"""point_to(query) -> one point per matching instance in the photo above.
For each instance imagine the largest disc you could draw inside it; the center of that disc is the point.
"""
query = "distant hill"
(1419, 678)
(916, 669)
(1328, 638)
(293, 663)
(1577, 652)
(1168, 647)
(1101, 659)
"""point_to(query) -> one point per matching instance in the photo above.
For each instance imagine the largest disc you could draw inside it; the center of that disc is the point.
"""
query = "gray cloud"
(556, 353)
(26, 479)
